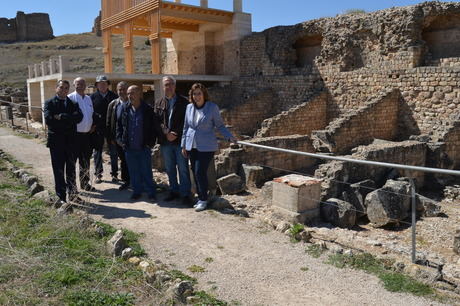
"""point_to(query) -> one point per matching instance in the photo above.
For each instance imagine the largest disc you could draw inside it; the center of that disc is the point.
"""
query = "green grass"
(54, 260)
(196, 269)
(304, 269)
(392, 281)
(208, 259)
(207, 299)
(294, 230)
(89, 297)
(182, 276)
(314, 250)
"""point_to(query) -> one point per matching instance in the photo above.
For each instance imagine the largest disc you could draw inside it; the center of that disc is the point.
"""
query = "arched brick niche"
(442, 37)
(307, 49)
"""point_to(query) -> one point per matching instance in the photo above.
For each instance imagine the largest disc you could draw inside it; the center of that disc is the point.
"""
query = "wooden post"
(128, 46)
(107, 50)
(154, 38)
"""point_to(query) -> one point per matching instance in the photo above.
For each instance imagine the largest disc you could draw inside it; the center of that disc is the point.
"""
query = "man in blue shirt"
(137, 132)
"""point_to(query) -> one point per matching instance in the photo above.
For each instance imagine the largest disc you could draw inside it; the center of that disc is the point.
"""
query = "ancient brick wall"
(301, 119)
(246, 117)
(357, 56)
(230, 160)
(378, 118)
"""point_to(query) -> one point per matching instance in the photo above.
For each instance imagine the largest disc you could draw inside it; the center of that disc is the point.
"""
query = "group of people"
(78, 126)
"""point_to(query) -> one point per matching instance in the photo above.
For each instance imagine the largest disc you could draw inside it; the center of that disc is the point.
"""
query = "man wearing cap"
(84, 130)
(101, 99)
(61, 116)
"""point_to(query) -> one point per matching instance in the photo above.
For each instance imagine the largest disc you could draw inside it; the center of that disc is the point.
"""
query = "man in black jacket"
(116, 151)
(170, 111)
(137, 134)
(61, 117)
(101, 99)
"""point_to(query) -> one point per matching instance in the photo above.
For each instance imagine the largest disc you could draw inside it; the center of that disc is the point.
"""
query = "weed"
(220, 247)
(63, 259)
(397, 282)
(392, 281)
(314, 250)
(178, 274)
(304, 269)
(208, 259)
(88, 297)
(294, 230)
(196, 269)
(207, 299)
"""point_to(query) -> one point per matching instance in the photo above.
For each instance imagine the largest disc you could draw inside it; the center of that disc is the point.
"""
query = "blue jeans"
(200, 163)
(140, 171)
(175, 161)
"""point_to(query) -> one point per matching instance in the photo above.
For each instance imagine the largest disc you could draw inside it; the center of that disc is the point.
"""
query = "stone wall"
(26, 27)
(231, 160)
(246, 117)
(301, 119)
(338, 175)
(352, 58)
(378, 118)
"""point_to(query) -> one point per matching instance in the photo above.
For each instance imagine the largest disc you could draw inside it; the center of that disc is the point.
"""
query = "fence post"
(414, 208)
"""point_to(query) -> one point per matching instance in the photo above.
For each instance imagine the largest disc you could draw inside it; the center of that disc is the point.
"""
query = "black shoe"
(58, 203)
(172, 196)
(114, 179)
(89, 188)
(187, 201)
(152, 198)
(76, 199)
(135, 196)
(98, 180)
(124, 186)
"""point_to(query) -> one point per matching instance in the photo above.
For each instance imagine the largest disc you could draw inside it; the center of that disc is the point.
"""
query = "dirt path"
(250, 264)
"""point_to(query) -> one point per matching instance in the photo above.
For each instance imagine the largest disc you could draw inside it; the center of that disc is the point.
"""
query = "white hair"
(169, 77)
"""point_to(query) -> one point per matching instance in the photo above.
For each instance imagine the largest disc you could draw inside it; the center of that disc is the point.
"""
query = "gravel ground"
(251, 264)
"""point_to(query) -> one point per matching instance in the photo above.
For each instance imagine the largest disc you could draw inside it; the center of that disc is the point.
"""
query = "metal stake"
(414, 204)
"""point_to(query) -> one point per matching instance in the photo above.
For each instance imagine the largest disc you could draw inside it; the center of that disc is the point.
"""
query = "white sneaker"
(201, 205)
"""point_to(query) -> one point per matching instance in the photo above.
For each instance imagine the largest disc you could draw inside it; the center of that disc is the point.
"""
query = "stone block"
(254, 176)
(230, 184)
(296, 193)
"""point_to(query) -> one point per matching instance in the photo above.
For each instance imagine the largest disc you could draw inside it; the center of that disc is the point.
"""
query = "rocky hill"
(83, 50)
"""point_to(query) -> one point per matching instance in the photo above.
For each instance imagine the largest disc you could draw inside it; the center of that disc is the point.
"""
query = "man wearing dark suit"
(61, 117)
(101, 99)
(170, 111)
(116, 152)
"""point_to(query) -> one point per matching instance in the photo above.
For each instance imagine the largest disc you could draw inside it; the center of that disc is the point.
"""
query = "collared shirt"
(135, 128)
(86, 106)
(119, 108)
(171, 103)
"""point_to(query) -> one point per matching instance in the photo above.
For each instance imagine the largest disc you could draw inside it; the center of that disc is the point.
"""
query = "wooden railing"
(113, 7)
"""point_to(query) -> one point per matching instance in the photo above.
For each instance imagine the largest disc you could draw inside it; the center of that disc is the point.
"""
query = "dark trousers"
(84, 156)
(200, 163)
(116, 152)
(140, 167)
(63, 159)
(97, 142)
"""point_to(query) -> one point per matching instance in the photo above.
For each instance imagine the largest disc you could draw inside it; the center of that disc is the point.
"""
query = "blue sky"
(78, 16)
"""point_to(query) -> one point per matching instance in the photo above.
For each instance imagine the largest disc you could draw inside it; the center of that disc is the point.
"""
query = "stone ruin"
(381, 86)
(26, 27)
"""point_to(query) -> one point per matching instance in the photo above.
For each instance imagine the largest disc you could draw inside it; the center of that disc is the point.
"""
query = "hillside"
(83, 50)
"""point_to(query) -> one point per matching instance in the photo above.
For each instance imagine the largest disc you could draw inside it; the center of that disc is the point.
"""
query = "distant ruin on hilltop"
(26, 27)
